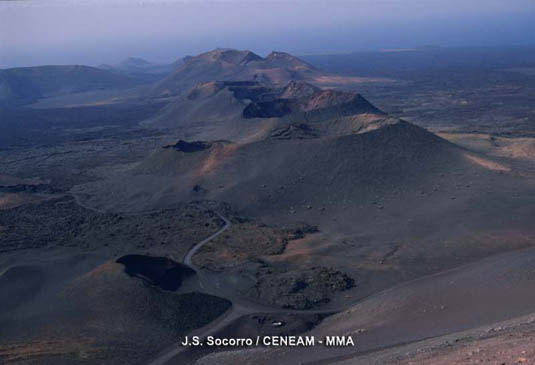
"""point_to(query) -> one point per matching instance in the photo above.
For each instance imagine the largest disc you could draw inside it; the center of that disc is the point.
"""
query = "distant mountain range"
(28, 84)
(25, 85)
(142, 69)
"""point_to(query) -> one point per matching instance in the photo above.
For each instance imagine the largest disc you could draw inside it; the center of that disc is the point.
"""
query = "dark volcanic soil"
(190, 146)
(300, 289)
(159, 271)
(57, 277)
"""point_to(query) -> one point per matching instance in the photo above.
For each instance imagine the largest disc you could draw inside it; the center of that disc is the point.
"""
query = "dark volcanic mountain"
(27, 84)
(237, 110)
(230, 64)
(248, 126)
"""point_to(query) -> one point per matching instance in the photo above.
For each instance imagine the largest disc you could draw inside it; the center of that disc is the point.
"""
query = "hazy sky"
(34, 32)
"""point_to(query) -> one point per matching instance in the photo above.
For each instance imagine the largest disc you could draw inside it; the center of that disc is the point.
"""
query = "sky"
(37, 32)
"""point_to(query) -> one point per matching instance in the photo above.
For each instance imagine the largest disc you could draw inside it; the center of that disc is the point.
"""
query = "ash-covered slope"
(27, 84)
(237, 65)
(277, 174)
(286, 168)
(106, 313)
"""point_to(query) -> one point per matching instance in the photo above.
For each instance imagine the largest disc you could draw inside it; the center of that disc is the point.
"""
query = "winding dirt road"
(214, 285)
(235, 312)
(198, 246)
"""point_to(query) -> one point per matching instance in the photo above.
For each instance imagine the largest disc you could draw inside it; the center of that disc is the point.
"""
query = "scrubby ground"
(61, 222)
